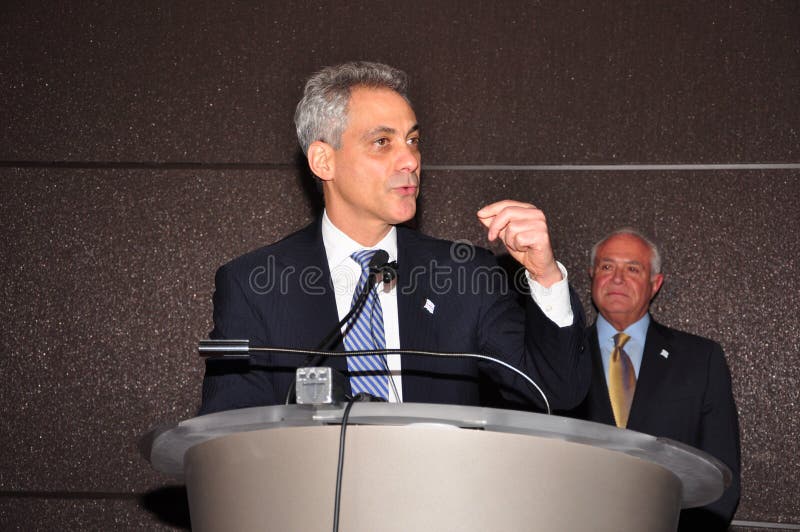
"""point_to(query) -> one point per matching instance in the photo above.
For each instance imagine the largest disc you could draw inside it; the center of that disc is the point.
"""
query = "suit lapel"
(651, 375)
(315, 301)
(415, 322)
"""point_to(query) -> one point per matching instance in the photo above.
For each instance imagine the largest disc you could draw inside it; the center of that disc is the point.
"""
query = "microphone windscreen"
(380, 258)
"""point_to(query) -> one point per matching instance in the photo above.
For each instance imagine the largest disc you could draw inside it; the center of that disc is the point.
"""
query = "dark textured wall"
(142, 145)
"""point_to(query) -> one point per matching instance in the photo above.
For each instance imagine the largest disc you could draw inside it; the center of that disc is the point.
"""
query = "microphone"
(378, 265)
(241, 348)
(387, 270)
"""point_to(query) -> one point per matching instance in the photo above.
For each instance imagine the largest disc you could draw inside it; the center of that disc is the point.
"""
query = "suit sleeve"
(557, 355)
(230, 384)
(553, 356)
(719, 436)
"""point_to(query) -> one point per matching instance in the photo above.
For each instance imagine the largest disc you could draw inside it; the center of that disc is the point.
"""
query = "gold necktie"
(621, 380)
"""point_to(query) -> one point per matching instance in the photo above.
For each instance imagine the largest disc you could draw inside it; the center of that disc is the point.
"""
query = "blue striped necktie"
(364, 331)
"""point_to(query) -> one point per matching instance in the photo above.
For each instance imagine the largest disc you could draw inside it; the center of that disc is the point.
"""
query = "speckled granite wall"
(141, 146)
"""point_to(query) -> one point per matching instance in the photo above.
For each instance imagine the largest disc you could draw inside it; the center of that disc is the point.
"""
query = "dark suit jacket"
(281, 296)
(685, 396)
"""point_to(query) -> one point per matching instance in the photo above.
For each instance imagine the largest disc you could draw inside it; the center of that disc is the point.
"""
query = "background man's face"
(622, 281)
(376, 177)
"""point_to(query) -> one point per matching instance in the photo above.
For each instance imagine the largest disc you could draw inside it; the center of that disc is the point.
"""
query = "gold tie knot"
(620, 339)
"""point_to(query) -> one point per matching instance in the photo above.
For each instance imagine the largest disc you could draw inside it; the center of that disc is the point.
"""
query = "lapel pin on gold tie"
(664, 353)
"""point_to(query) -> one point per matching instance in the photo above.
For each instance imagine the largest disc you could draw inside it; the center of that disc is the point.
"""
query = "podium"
(428, 467)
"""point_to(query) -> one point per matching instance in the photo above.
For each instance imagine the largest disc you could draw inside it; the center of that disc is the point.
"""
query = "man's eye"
(414, 141)
(633, 269)
(382, 141)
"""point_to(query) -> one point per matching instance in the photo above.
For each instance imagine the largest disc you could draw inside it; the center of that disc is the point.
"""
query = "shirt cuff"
(553, 300)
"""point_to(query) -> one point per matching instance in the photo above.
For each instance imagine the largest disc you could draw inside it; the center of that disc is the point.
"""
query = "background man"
(681, 382)
(362, 140)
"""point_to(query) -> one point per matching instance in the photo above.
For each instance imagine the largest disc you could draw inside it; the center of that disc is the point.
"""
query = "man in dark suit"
(653, 379)
(361, 138)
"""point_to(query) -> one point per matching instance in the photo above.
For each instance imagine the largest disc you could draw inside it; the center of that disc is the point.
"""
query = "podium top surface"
(703, 477)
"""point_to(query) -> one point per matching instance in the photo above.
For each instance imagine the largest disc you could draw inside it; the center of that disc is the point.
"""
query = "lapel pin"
(429, 306)
(664, 353)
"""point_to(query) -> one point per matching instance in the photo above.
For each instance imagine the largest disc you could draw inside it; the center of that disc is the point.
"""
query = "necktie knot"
(363, 257)
(620, 339)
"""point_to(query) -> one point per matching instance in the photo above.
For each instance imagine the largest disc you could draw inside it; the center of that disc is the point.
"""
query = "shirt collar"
(339, 246)
(637, 331)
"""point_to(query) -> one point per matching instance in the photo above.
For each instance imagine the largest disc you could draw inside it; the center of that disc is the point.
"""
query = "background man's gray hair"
(655, 255)
(322, 112)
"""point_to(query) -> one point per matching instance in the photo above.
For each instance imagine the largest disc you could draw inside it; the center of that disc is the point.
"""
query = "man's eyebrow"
(386, 130)
(609, 259)
(380, 130)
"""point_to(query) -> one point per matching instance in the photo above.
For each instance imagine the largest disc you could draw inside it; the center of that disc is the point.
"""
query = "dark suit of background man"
(682, 387)
(362, 141)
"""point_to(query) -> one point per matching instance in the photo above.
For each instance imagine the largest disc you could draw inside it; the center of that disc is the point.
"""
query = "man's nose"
(408, 159)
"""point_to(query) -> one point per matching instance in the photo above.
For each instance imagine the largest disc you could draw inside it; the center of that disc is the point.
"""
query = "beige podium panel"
(429, 467)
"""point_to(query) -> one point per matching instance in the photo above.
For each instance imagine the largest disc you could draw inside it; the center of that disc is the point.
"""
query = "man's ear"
(321, 160)
(655, 284)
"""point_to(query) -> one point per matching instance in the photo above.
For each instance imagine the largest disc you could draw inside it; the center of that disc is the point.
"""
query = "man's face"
(375, 178)
(622, 281)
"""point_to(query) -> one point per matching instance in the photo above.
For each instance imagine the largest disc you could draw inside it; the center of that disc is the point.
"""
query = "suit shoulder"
(689, 341)
(279, 250)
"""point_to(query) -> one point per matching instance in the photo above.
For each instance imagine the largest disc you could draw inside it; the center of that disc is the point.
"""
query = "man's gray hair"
(655, 255)
(322, 112)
